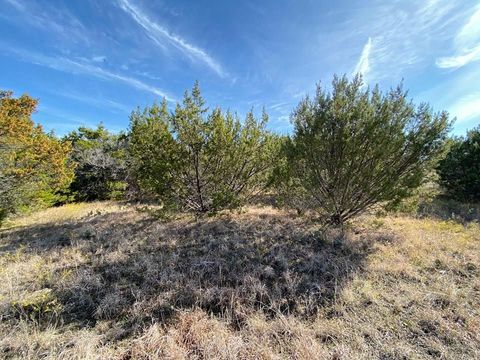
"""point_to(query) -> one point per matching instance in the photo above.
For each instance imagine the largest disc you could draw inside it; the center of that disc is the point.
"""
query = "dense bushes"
(196, 161)
(353, 148)
(460, 170)
(153, 153)
(33, 165)
(100, 164)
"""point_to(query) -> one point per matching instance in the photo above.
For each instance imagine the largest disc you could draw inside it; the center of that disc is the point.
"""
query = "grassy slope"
(97, 281)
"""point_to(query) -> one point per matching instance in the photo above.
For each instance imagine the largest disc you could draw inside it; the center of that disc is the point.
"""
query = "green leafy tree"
(197, 161)
(34, 168)
(154, 157)
(355, 147)
(460, 169)
(100, 164)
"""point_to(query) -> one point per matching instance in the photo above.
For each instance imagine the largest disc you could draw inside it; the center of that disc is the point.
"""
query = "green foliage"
(352, 148)
(355, 147)
(460, 170)
(153, 153)
(100, 164)
(419, 198)
(34, 168)
(197, 161)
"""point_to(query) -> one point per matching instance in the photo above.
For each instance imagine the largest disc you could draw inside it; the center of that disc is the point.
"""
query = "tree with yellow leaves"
(34, 166)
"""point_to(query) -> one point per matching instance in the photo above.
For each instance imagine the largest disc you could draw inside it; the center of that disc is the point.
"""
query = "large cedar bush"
(198, 160)
(354, 147)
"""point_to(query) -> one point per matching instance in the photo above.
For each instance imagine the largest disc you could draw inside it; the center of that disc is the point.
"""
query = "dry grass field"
(106, 281)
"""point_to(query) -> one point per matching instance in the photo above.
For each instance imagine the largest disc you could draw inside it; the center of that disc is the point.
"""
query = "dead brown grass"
(105, 281)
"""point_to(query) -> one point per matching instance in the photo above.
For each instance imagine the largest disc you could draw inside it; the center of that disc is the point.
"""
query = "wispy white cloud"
(457, 61)
(466, 44)
(456, 93)
(298, 94)
(76, 67)
(467, 108)
(16, 4)
(279, 105)
(147, 75)
(99, 58)
(363, 64)
(402, 35)
(61, 121)
(469, 34)
(158, 34)
(54, 19)
(99, 102)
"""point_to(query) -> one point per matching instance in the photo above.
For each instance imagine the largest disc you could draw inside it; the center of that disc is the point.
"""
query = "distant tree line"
(459, 170)
(352, 147)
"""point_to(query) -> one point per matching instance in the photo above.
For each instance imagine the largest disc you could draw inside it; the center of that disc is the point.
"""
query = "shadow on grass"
(135, 271)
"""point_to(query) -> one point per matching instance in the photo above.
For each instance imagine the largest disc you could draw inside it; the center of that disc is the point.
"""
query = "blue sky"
(90, 61)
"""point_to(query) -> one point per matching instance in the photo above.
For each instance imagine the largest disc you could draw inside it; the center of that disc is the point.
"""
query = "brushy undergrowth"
(105, 281)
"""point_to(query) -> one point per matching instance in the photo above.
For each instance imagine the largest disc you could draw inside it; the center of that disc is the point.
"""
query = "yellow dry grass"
(104, 281)
(65, 213)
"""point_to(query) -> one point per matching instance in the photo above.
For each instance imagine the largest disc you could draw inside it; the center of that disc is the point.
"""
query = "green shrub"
(198, 162)
(355, 147)
(153, 153)
(460, 170)
(419, 198)
(100, 164)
